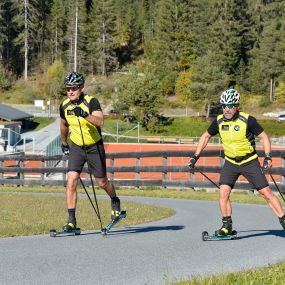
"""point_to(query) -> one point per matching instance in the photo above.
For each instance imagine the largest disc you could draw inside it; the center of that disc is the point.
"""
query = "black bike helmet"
(74, 79)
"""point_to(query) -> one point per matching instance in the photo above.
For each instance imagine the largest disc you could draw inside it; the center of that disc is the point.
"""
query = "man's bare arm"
(64, 131)
(202, 143)
(96, 118)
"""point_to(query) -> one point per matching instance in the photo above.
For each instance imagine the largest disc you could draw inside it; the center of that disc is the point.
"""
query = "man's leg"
(226, 210)
(257, 178)
(71, 200)
(105, 184)
(224, 200)
(272, 201)
(229, 174)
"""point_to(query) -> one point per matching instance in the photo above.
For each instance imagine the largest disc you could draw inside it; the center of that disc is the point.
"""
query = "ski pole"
(276, 186)
(208, 178)
(92, 183)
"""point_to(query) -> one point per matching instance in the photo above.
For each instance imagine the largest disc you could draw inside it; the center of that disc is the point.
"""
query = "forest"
(191, 48)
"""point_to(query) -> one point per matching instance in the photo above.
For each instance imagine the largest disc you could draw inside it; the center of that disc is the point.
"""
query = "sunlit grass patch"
(31, 215)
(269, 275)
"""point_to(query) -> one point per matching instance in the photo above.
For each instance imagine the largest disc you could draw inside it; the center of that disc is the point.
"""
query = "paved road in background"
(147, 253)
(43, 136)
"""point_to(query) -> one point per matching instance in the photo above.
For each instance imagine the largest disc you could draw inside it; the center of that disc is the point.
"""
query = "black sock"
(115, 198)
(282, 218)
(71, 215)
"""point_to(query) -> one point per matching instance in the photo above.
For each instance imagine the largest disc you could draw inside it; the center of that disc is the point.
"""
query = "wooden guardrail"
(35, 170)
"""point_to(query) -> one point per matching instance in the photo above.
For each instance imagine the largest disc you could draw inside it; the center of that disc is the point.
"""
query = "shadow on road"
(256, 233)
(134, 230)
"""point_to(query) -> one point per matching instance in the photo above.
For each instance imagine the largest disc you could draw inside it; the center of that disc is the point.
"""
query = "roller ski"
(116, 215)
(69, 229)
(224, 233)
(114, 221)
(206, 236)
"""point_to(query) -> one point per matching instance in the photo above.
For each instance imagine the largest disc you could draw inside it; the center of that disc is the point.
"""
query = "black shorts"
(250, 170)
(95, 155)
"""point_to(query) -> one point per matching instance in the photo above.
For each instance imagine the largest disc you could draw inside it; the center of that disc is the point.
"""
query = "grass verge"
(270, 275)
(32, 215)
(237, 197)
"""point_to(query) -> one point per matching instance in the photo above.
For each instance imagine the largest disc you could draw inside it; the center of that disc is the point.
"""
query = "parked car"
(114, 113)
(281, 118)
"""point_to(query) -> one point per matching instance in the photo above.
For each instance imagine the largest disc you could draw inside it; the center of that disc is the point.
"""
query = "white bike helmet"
(230, 96)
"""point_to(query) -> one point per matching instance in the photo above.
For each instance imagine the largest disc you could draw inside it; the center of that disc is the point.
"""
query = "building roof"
(12, 114)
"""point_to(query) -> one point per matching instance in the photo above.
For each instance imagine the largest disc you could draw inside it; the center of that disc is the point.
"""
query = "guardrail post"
(42, 174)
(138, 174)
(282, 165)
(64, 173)
(20, 175)
(164, 174)
(112, 163)
(1, 173)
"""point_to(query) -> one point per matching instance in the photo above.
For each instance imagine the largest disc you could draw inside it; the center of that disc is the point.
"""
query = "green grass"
(269, 275)
(23, 215)
(237, 197)
(273, 128)
(42, 122)
(185, 127)
(37, 123)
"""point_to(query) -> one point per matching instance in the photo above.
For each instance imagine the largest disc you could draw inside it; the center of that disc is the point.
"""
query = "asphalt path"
(148, 253)
(43, 136)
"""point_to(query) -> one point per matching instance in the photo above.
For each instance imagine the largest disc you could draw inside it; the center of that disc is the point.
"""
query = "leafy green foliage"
(140, 94)
(4, 80)
(208, 80)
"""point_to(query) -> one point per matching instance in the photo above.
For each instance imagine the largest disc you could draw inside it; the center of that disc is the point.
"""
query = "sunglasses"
(229, 106)
(73, 88)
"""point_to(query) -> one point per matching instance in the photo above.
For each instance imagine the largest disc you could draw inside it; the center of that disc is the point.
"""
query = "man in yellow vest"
(81, 120)
(238, 131)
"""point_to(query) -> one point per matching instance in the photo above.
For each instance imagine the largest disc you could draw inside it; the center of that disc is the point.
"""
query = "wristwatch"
(268, 154)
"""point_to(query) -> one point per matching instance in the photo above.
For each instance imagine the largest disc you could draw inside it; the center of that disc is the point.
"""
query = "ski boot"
(116, 208)
(226, 228)
(282, 221)
(69, 227)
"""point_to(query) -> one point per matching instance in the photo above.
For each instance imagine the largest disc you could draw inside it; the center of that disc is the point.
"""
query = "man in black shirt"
(81, 121)
(238, 131)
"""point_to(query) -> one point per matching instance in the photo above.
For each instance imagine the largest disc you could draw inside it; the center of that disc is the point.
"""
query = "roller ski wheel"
(207, 237)
(106, 230)
(55, 233)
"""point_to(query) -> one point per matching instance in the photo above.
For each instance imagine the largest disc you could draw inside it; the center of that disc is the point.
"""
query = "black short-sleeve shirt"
(94, 105)
(252, 127)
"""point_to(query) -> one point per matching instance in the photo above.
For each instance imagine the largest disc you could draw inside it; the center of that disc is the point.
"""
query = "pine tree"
(25, 17)
(75, 36)
(3, 36)
(229, 35)
(208, 80)
(57, 28)
(101, 32)
(126, 34)
(267, 62)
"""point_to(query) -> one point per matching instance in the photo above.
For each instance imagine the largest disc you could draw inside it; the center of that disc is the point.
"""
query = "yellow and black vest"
(239, 147)
(91, 134)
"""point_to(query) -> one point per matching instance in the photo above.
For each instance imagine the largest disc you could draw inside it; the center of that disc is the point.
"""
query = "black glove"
(65, 149)
(193, 161)
(78, 112)
(266, 162)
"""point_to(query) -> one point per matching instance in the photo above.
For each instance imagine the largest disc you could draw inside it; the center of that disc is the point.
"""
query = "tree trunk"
(272, 90)
(104, 51)
(75, 36)
(26, 42)
(208, 109)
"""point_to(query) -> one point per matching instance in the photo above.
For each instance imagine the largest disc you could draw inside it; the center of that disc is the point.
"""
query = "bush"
(264, 102)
